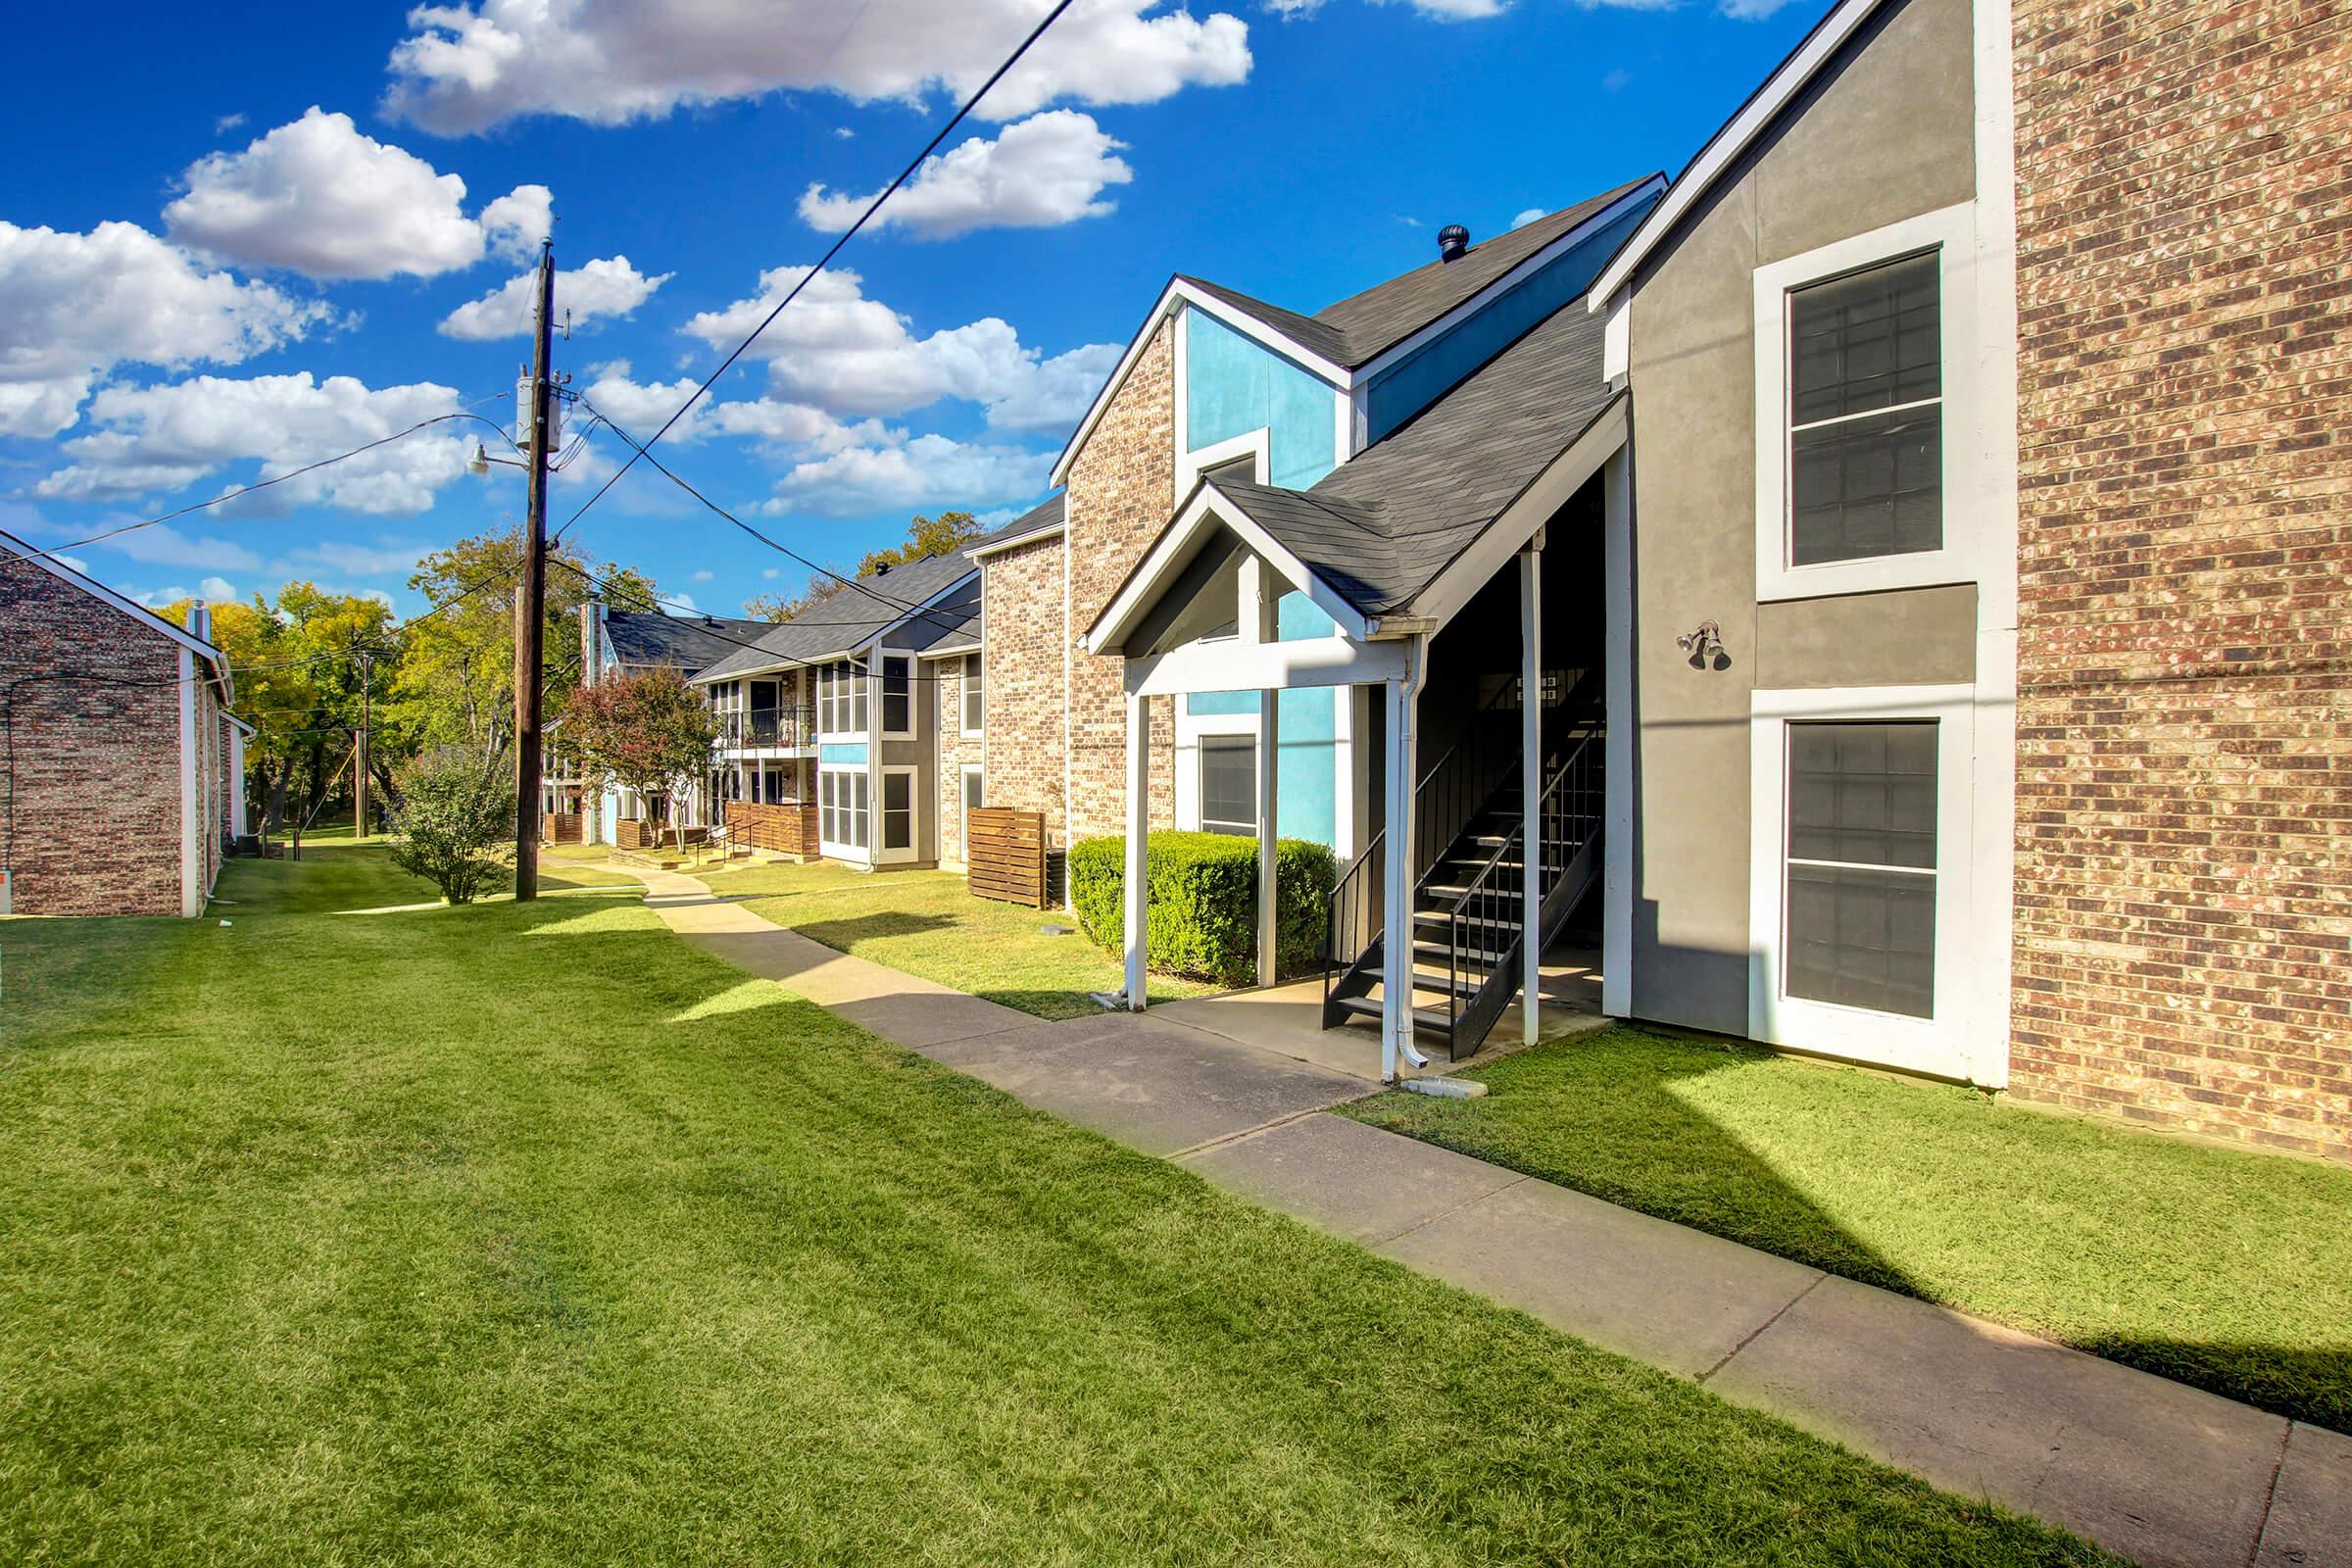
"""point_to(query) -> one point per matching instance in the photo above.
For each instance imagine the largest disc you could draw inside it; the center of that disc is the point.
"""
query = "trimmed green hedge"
(1200, 917)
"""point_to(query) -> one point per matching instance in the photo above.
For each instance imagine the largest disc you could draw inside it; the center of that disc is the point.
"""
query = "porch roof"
(1383, 527)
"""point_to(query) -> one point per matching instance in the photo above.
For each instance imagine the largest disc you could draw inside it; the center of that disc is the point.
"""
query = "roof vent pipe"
(1453, 240)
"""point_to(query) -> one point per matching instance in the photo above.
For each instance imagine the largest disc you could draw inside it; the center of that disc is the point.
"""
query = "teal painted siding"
(1306, 770)
(841, 756)
(1232, 386)
(1405, 389)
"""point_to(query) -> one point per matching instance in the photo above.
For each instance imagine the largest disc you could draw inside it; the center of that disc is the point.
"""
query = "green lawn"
(2226, 1269)
(528, 1234)
(925, 923)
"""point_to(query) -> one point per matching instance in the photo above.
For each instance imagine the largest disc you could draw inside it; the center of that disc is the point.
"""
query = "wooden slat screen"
(785, 830)
(1006, 855)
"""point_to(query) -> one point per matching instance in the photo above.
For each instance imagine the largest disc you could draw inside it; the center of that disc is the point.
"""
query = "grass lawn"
(925, 923)
(528, 1234)
(2225, 1269)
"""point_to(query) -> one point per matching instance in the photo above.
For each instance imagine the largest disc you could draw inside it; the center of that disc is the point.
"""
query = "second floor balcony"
(778, 728)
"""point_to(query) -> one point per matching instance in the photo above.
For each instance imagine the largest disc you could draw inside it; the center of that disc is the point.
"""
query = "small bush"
(456, 821)
(1201, 910)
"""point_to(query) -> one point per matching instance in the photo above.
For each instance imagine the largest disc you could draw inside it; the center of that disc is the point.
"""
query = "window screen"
(898, 810)
(897, 694)
(1229, 784)
(1866, 415)
(974, 693)
(1861, 854)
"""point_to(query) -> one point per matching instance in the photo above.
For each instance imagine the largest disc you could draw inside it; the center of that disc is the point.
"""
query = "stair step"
(1426, 1020)
(1453, 916)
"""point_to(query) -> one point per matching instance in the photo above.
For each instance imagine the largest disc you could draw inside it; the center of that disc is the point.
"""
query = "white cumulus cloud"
(319, 197)
(469, 65)
(607, 287)
(927, 471)
(1046, 171)
(75, 306)
(164, 437)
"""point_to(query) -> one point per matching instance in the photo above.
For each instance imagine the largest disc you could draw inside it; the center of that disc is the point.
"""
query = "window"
(898, 810)
(1861, 866)
(841, 809)
(898, 689)
(975, 795)
(841, 700)
(1229, 784)
(975, 695)
(1866, 415)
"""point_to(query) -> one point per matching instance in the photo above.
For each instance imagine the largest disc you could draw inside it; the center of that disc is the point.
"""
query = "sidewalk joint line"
(1205, 1145)
(1750, 1338)
(1467, 1202)
(2270, 1495)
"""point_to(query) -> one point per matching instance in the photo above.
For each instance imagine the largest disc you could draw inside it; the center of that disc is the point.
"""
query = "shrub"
(1201, 910)
(456, 821)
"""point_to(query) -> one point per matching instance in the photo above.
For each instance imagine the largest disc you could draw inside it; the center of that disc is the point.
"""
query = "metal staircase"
(1469, 894)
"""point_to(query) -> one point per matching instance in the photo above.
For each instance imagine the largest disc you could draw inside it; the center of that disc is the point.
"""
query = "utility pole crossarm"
(531, 594)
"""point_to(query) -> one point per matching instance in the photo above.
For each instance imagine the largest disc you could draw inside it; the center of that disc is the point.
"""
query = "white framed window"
(975, 695)
(972, 794)
(901, 825)
(841, 699)
(1229, 784)
(1860, 867)
(1866, 412)
(897, 674)
(844, 818)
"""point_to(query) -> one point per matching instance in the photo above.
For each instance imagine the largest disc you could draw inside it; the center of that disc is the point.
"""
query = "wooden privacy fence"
(562, 827)
(785, 830)
(1006, 856)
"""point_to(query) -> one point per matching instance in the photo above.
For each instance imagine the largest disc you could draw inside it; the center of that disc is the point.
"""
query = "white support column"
(1139, 820)
(1396, 894)
(191, 809)
(873, 756)
(1617, 809)
(239, 821)
(1270, 753)
(1531, 788)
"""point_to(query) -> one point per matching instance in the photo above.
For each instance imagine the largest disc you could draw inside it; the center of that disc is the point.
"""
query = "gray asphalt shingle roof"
(850, 617)
(1362, 327)
(1382, 526)
(643, 638)
(1046, 513)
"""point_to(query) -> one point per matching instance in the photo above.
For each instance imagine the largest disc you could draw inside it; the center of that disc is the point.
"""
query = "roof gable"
(856, 613)
(138, 612)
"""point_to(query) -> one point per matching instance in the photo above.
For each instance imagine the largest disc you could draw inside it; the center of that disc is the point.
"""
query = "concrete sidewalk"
(2146, 1467)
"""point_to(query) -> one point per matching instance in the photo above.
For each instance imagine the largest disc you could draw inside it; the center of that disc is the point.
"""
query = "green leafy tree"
(456, 820)
(652, 732)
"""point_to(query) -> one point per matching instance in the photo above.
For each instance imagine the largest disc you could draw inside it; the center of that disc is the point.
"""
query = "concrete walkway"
(2146, 1467)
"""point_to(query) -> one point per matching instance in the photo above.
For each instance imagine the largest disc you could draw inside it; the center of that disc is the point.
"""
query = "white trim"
(878, 829)
(1617, 341)
(881, 660)
(1960, 1041)
(963, 694)
(1133, 892)
(1257, 443)
(1180, 416)
(1229, 664)
(1949, 234)
(1207, 508)
(1267, 771)
(963, 808)
(997, 547)
(239, 731)
(191, 809)
(845, 848)
(188, 641)
(1529, 511)
(1727, 144)
(947, 651)
(1617, 806)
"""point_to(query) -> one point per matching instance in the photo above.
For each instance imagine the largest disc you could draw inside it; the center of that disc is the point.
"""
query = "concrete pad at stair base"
(1345, 1177)
(1155, 1086)
(1642, 1287)
(2160, 1472)
(2311, 1507)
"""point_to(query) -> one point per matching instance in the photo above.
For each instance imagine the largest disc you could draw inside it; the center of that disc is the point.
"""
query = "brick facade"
(93, 791)
(1121, 489)
(2185, 740)
(1022, 593)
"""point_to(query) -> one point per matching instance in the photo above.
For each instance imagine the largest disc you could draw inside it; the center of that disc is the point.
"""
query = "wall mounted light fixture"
(1705, 645)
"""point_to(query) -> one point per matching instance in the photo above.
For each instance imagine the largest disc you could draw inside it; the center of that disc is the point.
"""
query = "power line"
(826, 260)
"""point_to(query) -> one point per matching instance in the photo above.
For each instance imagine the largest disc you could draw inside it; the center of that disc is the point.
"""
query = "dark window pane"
(894, 693)
(1863, 939)
(1229, 784)
(1872, 486)
(1869, 340)
(898, 810)
(1863, 793)
(973, 692)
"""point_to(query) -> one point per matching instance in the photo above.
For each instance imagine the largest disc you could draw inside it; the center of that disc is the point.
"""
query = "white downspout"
(1396, 935)
(1531, 788)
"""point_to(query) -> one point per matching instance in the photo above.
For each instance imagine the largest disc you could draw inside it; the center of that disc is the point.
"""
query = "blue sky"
(203, 282)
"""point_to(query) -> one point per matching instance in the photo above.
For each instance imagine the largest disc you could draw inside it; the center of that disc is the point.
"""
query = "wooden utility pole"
(531, 594)
(359, 754)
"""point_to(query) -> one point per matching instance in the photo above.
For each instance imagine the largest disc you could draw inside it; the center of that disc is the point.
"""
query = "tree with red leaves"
(652, 732)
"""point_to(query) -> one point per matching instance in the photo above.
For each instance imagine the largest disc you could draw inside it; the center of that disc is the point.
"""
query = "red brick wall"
(94, 827)
(1023, 672)
(1121, 490)
(2185, 767)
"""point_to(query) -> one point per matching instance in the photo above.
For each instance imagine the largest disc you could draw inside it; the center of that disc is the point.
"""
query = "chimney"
(200, 621)
(1453, 240)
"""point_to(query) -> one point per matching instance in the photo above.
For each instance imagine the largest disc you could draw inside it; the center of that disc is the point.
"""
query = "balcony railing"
(786, 727)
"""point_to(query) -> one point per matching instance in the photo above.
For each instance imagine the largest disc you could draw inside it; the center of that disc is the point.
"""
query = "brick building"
(125, 768)
(1969, 649)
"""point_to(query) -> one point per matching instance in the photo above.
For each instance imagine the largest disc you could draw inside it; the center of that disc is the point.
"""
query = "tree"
(456, 820)
(456, 684)
(649, 731)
